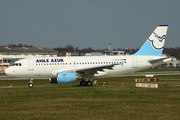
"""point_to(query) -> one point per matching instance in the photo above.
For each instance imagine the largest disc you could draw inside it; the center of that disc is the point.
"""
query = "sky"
(87, 23)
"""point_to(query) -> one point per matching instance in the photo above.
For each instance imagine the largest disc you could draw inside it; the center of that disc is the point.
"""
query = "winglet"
(155, 43)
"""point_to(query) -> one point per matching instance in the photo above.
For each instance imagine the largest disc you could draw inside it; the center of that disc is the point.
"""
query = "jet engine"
(64, 78)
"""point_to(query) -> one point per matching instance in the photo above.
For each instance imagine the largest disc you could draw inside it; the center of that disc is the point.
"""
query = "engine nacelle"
(64, 78)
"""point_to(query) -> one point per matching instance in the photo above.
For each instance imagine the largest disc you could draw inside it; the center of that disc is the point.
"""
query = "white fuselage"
(49, 67)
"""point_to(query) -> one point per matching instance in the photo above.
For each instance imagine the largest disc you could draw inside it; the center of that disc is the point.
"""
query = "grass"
(112, 101)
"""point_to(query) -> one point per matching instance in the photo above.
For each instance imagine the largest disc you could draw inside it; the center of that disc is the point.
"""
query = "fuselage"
(49, 67)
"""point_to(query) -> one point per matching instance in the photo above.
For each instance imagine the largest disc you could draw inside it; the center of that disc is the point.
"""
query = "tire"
(89, 83)
(30, 85)
(83, 83)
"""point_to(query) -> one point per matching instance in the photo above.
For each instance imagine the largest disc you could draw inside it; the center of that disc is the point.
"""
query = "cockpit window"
(17, 64)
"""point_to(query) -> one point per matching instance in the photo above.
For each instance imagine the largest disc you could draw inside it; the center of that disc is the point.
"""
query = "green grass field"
(112, 101)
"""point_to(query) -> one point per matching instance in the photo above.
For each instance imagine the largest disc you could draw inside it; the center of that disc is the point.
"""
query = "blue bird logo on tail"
(159, 37)
(157, 41)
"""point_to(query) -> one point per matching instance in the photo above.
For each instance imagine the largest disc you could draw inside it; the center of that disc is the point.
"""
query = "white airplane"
(64, 70)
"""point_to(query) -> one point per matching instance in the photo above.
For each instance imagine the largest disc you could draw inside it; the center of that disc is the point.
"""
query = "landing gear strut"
(30, 83)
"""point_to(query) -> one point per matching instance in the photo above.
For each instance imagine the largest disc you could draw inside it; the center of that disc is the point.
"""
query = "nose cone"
(9, 71)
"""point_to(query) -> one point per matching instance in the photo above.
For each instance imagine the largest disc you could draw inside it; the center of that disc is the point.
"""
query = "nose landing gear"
(30, 83)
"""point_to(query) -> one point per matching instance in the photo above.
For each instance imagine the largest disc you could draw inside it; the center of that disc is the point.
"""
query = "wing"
(94, 71)
(86, 71)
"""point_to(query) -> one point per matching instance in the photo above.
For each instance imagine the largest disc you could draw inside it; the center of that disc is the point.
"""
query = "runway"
(153, 73)
(136, 74)
(4, 77)
(15, 78)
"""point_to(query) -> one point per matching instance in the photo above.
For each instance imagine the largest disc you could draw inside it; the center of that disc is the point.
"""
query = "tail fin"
(155, 43)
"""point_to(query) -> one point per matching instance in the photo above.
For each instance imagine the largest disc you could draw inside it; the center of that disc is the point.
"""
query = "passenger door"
(30, 65)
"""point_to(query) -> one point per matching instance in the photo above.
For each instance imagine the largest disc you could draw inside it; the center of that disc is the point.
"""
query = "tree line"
(175, 52)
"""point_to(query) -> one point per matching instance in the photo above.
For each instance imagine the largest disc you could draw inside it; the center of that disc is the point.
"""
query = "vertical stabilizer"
(155, 43)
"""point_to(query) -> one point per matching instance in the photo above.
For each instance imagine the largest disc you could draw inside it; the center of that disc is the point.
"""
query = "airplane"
(65, 70)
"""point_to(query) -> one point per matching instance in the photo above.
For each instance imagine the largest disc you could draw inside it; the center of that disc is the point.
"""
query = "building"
(113, 53)
(9, 55)
(104, 53)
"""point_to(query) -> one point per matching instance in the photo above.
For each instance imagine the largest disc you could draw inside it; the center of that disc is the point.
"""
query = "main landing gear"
(85, 83)
(30, 83)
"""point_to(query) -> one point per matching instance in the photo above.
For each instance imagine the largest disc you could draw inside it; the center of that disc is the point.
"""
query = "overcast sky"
(87, 23)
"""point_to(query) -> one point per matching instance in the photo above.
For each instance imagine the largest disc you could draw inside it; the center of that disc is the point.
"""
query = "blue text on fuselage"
(42, 60)
(57, 60)
(49, 60)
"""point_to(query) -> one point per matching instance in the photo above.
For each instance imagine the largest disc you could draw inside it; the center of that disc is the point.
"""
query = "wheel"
(89, 83)
(30, 85)
(83, 83)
